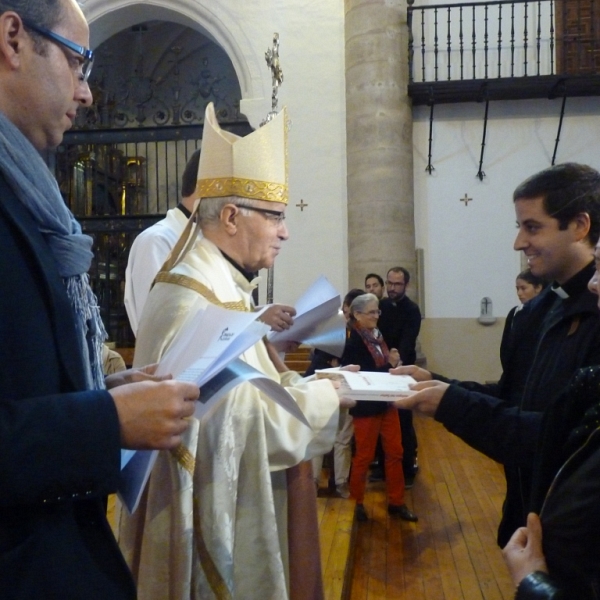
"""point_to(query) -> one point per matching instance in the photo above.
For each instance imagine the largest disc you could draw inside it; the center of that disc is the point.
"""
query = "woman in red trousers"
(365, 347)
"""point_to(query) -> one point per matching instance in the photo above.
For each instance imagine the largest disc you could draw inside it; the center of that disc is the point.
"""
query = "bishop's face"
(261, 233)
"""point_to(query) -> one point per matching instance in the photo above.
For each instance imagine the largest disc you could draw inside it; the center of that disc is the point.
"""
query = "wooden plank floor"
(337, 534)
(451, 553)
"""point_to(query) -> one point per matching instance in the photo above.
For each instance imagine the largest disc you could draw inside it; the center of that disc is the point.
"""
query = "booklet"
(318, 322)
(205, 351)
(367, 385)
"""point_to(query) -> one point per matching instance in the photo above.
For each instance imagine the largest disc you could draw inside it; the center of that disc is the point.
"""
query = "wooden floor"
(450, 554)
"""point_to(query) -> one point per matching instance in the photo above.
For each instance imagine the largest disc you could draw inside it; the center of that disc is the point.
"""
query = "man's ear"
(582, 226)
(229, 215)
(12, 38)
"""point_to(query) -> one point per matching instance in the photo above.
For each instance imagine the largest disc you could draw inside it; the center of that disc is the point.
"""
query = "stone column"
(381, 232)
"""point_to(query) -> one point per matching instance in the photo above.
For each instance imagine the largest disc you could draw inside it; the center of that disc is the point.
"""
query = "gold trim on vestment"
(185, 458)
(200, 288)
(214, 578)
(245, 188)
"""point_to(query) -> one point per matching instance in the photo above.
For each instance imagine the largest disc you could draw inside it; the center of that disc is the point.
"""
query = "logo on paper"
(226, 335)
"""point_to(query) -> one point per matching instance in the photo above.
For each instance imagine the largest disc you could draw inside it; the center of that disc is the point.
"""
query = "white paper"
(207, 341)
(232, 375)
(316, 314)
(218, 336)
(368, 385)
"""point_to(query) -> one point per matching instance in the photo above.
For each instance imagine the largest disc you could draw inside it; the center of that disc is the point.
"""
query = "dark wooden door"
(577, 36)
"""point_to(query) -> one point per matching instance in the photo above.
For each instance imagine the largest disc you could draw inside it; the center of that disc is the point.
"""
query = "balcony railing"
(506, 48)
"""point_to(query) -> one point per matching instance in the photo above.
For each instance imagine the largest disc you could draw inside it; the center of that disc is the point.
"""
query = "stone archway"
(107, 17)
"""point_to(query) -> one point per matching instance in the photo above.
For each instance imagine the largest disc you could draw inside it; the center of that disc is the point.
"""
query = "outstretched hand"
(153, 415)
(426, 399)
(524, 554)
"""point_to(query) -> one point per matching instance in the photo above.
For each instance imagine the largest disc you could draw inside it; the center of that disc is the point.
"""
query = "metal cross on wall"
(466, 200)
(302, 205)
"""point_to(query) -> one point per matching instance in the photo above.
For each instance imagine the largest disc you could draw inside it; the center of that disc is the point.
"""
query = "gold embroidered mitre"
(254, 166)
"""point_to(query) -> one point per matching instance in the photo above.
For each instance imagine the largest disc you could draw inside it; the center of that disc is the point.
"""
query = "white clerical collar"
(559, 291)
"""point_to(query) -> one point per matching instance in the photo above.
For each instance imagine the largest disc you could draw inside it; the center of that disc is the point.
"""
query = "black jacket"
(400, 323)
(566, 494)
(505, 427)
(59, 444)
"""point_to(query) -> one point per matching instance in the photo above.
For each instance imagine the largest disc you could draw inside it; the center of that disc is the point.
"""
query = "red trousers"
(366, 431)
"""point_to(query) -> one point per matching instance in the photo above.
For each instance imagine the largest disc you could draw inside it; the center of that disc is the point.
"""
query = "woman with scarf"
(365, 347)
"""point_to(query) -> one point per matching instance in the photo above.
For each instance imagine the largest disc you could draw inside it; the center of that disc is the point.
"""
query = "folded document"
(206, 351)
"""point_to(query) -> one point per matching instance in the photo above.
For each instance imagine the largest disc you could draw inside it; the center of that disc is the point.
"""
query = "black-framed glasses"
(277, 216)
(86, 54)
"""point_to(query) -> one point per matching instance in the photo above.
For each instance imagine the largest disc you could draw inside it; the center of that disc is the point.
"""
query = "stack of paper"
(367, 385)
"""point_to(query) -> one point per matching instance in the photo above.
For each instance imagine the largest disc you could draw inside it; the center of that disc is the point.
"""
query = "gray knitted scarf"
(36, 188)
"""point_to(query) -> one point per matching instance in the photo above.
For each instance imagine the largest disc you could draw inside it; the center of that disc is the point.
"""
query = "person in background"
(342, 447)
(112, 361)
(374, 285)
(366, 348)
(152, 246)
(528, 287)
(400, 323)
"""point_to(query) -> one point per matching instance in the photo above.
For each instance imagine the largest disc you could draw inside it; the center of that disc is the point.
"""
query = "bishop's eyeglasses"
(277, 216)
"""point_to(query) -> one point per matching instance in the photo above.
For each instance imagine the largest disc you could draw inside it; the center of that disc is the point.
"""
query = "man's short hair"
(190, 175)
(44, 13)
(568, 189)
(374, 275)
(353, 293)
(400, 270)
(209, 211)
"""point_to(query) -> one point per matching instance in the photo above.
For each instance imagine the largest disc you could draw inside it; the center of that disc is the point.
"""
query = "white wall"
(468, 250)
(312, 58)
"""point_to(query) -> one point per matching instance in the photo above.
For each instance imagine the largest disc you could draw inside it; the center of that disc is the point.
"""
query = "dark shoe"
(403, 512)
(377, 474)
(360, 513)
(409, 482)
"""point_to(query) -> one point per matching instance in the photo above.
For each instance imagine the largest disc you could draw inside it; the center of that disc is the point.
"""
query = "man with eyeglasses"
(400, 323)
(242, 476)
(151, 248)
(61, 431)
